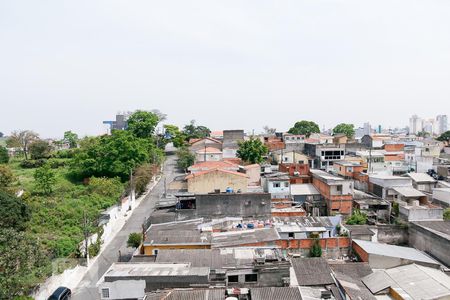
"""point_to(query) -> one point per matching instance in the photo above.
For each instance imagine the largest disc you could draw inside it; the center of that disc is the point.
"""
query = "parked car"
(61, 293)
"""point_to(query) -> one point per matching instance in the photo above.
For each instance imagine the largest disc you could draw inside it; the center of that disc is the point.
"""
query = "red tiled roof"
(213, 165)
(193, 141)
(215, 170)
(209, 150)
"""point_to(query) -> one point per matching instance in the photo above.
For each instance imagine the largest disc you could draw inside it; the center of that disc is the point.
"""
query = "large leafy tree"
(192, 131)
(22, 139)
(14, 213)
(445, 137)
(71, 138)
(305, 128)
(20, 261)
(343, 128)
(143, 123)
(4, 157)
(174, 134)
(39, 149)
(252, 151)
(114, 155)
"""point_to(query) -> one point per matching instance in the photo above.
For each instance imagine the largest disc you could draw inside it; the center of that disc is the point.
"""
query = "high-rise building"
(428, 125)
(367, 129)
(415, 125)
(441, 124)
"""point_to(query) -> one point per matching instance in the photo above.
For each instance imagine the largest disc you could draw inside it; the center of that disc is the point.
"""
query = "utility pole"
(204, 153)
(370, 160)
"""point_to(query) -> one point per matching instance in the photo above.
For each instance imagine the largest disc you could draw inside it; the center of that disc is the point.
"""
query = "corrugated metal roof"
(206, 294)
(378, 281)
(151, 269)
(273, 293)
(395, 251)
(236, 238)
(441, 228)
(312, 271)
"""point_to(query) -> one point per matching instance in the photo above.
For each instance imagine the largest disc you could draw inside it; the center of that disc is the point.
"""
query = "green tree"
(6, 176)
(22, 140)
(423, 134)
(185, 158)
(305, 128)
(191, 131)
(4, 157)
(14, 213)
(107, 187)
(445, 137)
(174, 134)
(316, 249)
(142, 176)
(39, 149)
(71, 138)
(114, 155)
(357, 218)
(134, 240)
(143, 123)
(44, 179)
(21, 257)
(252, 151)
(343, 128)
(447, 214)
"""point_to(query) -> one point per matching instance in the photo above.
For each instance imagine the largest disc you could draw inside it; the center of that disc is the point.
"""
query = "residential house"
(441, 197)
(375, 141)
(381, 185)
(347, 169)
(277, 184)
(423, 182)
(217, 180)
(290, 157)
(376, 209)
(207, 142)
(337, 192)
(208, 154)
(323, 156)
(211, 165)
(340, 139)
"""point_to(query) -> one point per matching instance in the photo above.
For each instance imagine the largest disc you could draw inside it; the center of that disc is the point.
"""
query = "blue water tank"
(250, 226)
(229, 190)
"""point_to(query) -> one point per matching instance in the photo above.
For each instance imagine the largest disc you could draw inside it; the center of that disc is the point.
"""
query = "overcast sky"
(68, 65)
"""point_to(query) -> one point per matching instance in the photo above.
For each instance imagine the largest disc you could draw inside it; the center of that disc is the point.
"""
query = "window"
(105, 293)
(291, 234)
(233, 278)
(155, 251)
(339, 188)
(276, 184)
(251, 277)
(286, 184)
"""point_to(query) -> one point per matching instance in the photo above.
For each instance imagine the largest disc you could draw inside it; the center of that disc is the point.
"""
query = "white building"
(441, 124)
(415, 124)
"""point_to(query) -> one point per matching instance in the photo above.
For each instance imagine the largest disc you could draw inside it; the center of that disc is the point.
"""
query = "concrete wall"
(392, 234)
(233, 205)
(411, 213)
(429, 242)
(124, 289)
(209, 182)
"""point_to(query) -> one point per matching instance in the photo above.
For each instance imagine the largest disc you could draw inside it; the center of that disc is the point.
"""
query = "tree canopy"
(252, 151)
(71, 138)
(185, 158)
(143, 123)
(4, 157)
(114, 155)
(175, 135)
(44, 179)
(22, 139)
(192, 131)
(445, 137)
(14, 213)
(305, 127)
(343, 128)
(39, 149)
(357, 218)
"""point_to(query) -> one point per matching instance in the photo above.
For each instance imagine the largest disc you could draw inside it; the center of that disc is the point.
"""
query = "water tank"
(229, 190)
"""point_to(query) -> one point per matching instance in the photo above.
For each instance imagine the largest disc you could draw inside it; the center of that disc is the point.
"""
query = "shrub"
(31, 164)
(4, 157)
(39, 149)
(6, 176)
(357, 218)
(316, 249)
(447, 214)
(134, 240)
(44, 179)
(108, 187)
(142, 177)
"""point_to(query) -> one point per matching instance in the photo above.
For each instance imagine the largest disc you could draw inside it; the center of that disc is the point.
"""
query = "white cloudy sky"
(228, 64)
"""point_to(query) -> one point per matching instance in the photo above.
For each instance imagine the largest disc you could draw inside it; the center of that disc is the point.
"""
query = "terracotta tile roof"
(234, 160)
(193, 141)
(213, 165)
(190, 176)
(209, 150)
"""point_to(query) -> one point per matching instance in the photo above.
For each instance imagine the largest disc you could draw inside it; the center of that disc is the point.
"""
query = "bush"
(56, 163)
(357, 218)
(142, 177)
(447, 214)
(4, 157)
(108, 187)
(67, 153)
(134, 240)
(39, 149)
(395, 209)
(32, 164)
(44, 179)
(6, 176)
(316, 249)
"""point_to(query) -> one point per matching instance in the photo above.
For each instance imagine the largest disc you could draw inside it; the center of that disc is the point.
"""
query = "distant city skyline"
(246, 64)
